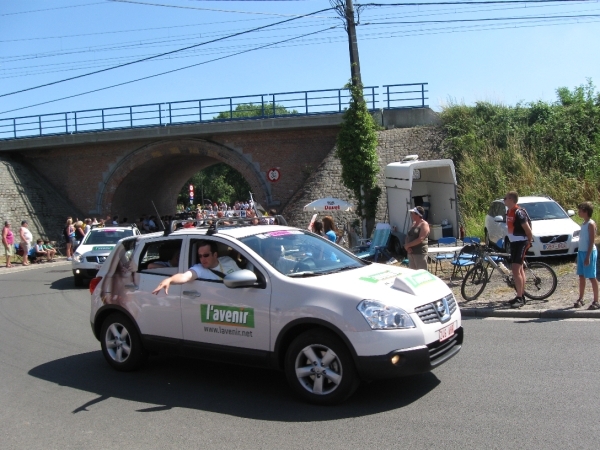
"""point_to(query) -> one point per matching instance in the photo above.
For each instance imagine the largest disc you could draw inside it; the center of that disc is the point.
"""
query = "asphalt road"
(516, 384)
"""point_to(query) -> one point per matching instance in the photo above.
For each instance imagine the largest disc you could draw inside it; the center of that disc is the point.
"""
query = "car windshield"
(106, 236)
(297, 253)
(544, 211)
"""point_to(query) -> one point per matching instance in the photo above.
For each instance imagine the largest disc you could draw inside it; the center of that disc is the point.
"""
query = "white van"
(430, 184)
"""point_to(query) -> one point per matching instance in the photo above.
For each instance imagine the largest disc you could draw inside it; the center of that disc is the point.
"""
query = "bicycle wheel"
(540, 281)
(474, 282)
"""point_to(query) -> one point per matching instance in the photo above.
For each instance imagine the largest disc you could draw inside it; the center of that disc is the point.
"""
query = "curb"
(530, 313)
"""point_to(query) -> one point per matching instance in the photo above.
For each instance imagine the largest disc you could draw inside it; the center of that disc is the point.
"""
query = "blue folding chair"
(466, 258)
(441, 257)
(378, 246)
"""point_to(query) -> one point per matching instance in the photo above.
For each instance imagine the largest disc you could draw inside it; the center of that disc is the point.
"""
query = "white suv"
(312, 309)
(554, 232)
(95, 248)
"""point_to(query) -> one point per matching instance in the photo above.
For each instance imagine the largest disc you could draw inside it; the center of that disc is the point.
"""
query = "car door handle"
(191, 293)
(131, 287)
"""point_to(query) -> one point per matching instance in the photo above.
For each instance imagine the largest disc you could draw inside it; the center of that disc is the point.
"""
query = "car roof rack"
(211, 225)
(121, 225)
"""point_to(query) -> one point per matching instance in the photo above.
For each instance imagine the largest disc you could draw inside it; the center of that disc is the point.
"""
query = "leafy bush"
(534, 148)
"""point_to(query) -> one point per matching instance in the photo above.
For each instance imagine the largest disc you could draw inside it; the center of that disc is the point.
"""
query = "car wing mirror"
(240, 278)
(499, 219)
(571, 213)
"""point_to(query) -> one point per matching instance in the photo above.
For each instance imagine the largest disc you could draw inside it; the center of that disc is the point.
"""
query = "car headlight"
(383, 317)
(77, 257)
(576, 233)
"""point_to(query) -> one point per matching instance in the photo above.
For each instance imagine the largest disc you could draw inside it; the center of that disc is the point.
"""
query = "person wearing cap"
(416, 239)
(26, 239)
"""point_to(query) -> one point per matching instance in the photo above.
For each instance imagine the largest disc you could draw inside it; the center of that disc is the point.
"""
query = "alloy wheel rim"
(318, 369)
(118, 342)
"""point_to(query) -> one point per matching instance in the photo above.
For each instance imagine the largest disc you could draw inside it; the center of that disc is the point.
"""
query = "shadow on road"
(67, 284)
(262, 394)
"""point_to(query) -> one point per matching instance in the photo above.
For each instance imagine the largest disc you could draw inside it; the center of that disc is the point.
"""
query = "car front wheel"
(121, 343)
(319, 368)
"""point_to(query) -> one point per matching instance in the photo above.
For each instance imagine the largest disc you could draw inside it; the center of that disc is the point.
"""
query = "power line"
(164, 54)
(51, 9)
(490, 2)
(170, 71)
(200, 9)
(488, 19)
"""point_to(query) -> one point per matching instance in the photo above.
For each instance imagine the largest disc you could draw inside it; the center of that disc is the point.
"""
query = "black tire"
(486, 238)
(121, 343)
(474, 282)
(319, 368)
(78, 280)
(540, 281)
(397, 247)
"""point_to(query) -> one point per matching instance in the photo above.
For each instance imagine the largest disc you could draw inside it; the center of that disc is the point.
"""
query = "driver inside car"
(211, 267)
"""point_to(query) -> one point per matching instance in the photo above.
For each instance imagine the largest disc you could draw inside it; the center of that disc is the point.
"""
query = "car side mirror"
(499, 219)
(240, 278)
(571, 213)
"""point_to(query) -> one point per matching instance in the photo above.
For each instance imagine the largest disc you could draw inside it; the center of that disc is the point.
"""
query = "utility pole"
(353, 44)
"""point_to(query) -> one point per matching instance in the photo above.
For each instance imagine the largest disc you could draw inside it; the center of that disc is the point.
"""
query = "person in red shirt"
(520, 237)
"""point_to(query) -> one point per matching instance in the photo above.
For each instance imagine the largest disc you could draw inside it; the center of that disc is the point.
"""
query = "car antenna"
(158, 216)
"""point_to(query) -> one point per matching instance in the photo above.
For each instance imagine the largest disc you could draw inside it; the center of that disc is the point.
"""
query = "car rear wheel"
(319, 368)
(121, 343)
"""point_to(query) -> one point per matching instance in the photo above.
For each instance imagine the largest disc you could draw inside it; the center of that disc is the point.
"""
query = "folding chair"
(18, 253)
(379, 243)
(441, 257)
(466, 258)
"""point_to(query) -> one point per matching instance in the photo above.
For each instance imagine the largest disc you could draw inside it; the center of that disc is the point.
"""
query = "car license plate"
(555, 246)
(447, 332)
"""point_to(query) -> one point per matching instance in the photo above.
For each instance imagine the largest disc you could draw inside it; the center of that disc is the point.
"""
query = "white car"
(95, 248)
(314, 310)
(554, 232)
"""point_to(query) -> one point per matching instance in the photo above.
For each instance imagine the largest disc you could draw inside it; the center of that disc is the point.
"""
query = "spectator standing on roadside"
(587, 255)
(317, 228)
(69, 234)
(26, 240)
(416, 243)
(329, 228)
(520, 237)
(79, 235)
(88, 225)
(8, 240)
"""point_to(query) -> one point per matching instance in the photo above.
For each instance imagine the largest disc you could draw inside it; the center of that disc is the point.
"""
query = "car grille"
(439, 349)
(95, 259)
(428, 314)
(561, 238)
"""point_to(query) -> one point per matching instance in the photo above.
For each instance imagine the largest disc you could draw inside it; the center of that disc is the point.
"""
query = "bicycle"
(540, 278)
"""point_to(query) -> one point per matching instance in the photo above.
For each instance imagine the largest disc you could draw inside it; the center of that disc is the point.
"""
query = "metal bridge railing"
(246, 107)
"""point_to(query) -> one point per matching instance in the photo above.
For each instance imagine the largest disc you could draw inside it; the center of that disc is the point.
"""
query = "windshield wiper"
(306, 273)
(339, 269)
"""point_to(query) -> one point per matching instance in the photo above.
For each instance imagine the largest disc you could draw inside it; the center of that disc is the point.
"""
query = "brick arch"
(157, 171)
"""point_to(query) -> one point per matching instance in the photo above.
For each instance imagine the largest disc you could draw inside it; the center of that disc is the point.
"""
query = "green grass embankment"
(534, 148)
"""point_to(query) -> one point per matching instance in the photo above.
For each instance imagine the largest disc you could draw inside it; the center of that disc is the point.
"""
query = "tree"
(251, 110)
(219, 183)
(357, 152)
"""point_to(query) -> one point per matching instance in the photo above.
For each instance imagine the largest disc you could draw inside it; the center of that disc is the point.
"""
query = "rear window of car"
(106, 236)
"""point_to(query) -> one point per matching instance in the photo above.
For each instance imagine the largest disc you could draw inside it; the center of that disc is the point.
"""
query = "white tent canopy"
(328, 204)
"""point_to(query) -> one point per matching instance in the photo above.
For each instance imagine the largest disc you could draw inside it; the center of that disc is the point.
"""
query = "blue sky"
(503, 61)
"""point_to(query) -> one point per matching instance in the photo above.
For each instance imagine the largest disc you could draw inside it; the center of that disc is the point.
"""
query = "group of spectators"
(25, 247)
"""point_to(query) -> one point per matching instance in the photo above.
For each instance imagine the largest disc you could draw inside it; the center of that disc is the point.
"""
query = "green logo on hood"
(102, 247)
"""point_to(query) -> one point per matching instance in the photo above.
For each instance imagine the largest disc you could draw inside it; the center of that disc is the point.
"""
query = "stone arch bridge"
(122, 171)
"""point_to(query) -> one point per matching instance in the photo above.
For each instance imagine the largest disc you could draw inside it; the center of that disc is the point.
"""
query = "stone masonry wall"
(326, 180)
(25, 195)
